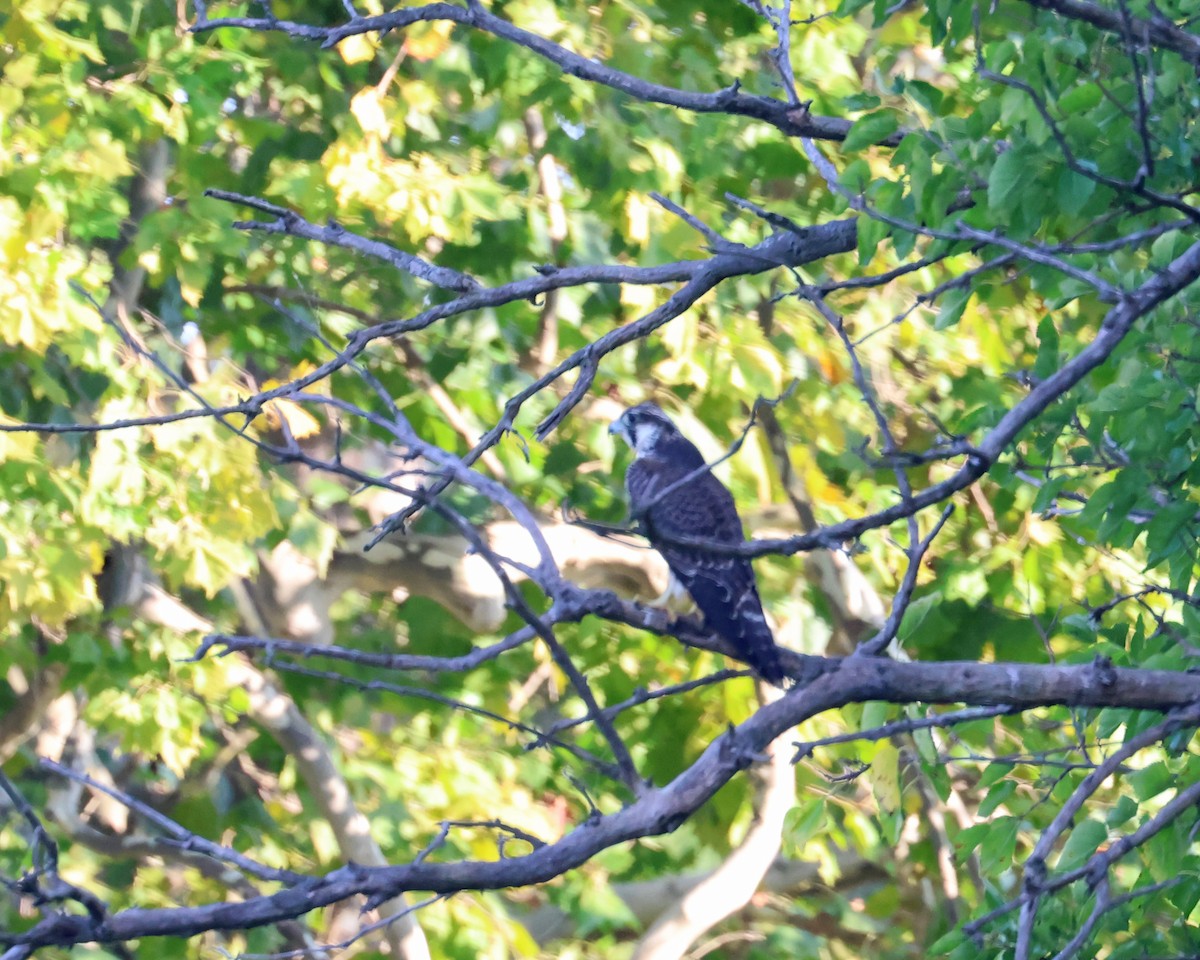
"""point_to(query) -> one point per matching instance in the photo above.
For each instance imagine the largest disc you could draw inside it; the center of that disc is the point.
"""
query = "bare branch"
(730, 887)
(177, 836)
(386, 661)
(43, 884)
(731, 101)
(907, 725)
(916, 553)
(1158, 30)
(659, 810)
(540, 737)
(645, 696)
(303, 953)
(291, 223)
(1131, 307)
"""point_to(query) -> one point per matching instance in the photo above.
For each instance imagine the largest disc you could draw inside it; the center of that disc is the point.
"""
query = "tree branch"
(1158, 30)
(780, 114)
(661, 810)
(730, 887)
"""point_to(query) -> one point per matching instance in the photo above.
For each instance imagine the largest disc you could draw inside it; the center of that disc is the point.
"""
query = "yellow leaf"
(65, 46)
(59, 125)
(429, 40)
(368, 111)
(819, 487)
(1042, 533)
(11, 99)
(301, 424)
(103, 156)
(885, 777)
(832, 370)
(21, 71)
(637, 218)
(17, 446)
(756, 369)
(668, 165)
(353, 172)
(357, 49)
(640, 299)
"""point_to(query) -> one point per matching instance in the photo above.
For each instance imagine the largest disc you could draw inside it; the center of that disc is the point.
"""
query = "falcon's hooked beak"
(620, 427)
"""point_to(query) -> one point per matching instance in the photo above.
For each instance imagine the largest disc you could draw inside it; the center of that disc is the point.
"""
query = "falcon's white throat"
(645, 437)
(641, 435)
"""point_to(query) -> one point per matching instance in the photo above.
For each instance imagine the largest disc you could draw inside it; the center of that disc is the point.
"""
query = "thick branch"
(1117, 324)
(663, 809)
(278, 713)
(730, 887)
(787, 118)
(1158, 30)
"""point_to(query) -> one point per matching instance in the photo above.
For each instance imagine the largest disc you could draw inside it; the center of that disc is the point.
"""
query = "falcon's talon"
(673, 599)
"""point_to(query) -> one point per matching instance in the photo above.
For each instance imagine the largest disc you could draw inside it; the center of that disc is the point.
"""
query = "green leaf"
(1123, 811)
(848, 8)
(916, 614)
(875, 714)
(1047, 357)
(1081, 98)
(1010, 174)
(996, 796)
(951, 308)
(1150, 781)
(805, 822)
(870, 234)
(1073, 191)
(1083, 841)
(999, 842)
(870, 129)
(947, 942)
(993, 773)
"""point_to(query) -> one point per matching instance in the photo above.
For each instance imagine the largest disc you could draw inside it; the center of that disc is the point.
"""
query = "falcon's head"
(645, 428)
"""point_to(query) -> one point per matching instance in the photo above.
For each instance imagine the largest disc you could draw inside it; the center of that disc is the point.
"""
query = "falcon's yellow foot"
(675, 599)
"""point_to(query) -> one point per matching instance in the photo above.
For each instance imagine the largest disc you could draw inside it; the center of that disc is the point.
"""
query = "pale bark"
(646, 900)
(36, 695)
(293, 598)
(730, 887)
(278, 713)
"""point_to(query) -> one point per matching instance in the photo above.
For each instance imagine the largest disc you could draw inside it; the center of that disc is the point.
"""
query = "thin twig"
(176, 835)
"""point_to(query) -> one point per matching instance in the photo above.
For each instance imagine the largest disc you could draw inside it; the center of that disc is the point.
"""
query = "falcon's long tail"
(745, 626)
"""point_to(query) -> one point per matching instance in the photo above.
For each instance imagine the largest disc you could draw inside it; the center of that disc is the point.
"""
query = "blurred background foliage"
(423, 139)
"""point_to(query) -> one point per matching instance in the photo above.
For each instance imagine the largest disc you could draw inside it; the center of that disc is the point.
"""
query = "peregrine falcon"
(723, 586)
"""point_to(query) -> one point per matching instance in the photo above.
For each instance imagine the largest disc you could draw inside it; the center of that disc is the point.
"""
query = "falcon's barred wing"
(723, 587)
